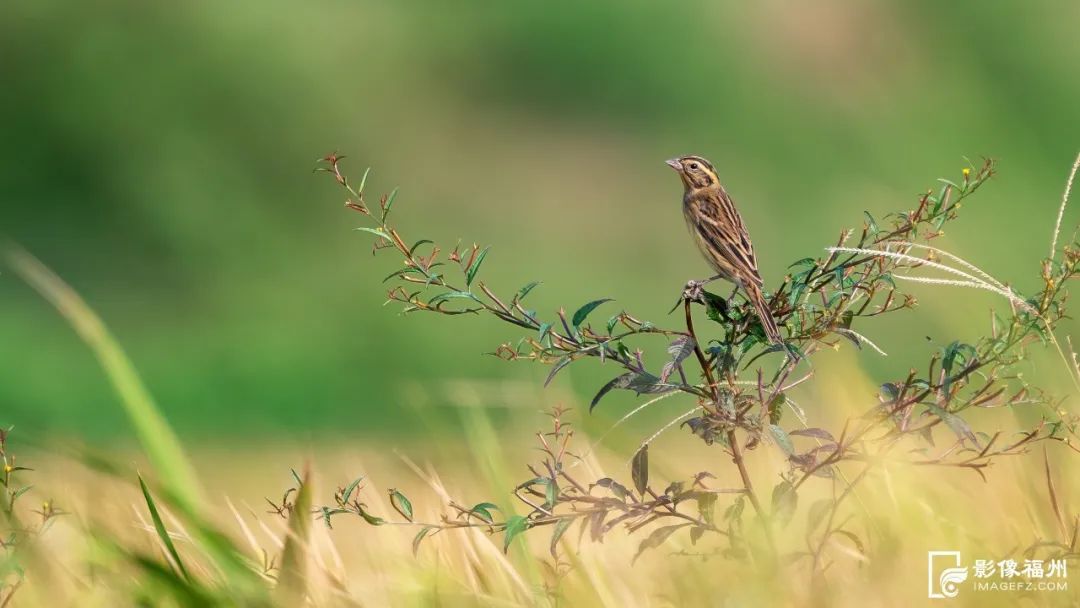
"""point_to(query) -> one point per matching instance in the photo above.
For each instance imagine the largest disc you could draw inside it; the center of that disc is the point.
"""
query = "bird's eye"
(693, 165)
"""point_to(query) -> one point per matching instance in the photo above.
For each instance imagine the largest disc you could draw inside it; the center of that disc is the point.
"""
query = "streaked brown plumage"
(720, 234)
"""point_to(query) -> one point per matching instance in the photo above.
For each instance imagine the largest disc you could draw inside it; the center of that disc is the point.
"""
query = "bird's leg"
(694, 288)
(695, 292)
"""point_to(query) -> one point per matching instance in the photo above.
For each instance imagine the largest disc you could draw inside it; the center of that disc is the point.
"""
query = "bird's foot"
(694, 291)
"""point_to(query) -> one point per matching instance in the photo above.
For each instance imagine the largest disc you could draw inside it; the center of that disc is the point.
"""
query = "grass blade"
(292, 584)
(162, 533)
(157, 438)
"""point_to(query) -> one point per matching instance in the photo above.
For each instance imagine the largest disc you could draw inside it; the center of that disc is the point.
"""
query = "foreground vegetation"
(758, 487)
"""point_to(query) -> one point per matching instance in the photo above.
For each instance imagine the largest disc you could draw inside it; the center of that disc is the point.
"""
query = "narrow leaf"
(615, 487)
(470, 272)
(557, 533)
(514, 526)
(389, 203)
(679, 350)
(639, 469)
(656, 539)
(814, 432)
(524, 291)
(376, 231)
(782, 439)
(292, 582)
(551, 493)
(349, 489)
(563, 362)
(401, 504)
(159, 527)
(618, 382)
(420, 537)
(483, 511)
(956, 423)
(583, 312)
(784, 501)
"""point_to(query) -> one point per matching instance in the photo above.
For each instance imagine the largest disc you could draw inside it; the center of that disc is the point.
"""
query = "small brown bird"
(721, 235)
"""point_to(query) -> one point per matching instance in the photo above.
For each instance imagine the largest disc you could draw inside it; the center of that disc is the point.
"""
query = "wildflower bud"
(966, 172)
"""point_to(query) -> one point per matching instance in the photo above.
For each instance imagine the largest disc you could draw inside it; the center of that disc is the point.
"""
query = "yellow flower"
(8, 468)
(967, 172)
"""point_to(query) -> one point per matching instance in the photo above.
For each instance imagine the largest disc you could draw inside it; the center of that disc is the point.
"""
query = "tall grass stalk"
(162, 446)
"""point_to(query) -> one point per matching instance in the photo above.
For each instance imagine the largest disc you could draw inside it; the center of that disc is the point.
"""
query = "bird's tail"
(764, 313)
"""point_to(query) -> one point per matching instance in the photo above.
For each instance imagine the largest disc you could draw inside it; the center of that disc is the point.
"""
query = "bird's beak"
(674, 164)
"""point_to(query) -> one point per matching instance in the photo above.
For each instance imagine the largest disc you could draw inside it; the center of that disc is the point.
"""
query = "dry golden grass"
(901, 511)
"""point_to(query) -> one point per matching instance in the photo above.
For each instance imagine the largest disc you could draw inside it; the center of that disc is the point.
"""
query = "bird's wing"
(722, 227)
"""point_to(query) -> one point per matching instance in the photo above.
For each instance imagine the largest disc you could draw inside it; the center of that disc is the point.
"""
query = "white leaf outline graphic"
(950, 580)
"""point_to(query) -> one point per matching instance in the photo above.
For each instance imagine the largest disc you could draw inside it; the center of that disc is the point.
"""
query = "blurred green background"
(158, 157)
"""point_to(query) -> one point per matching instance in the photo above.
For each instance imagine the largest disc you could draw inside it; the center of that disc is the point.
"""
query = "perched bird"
(719, 232)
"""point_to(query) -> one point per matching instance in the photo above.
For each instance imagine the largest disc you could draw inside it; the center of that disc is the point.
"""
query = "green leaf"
(656, 539)
(647, 383)
(551, 493)
(815, 433)
(363, 179)
(560, 528)
(563, 362)
(615, 487)
(389, 203)
(639, 469)
(470, 272)
(420, 537)
(376, 231)
(162, 533)
(514, 526)
(776, 408)
(696, 533)
(524, 291)
(735, 510)
(412, 249)
(483, 511)
(371, 519)
(401, 504)
(612, 322)
(802, 262)
(707, 507)
(349, 489)
(872, 226)
(622, 381)
(716, 308)
(784, 501)
(328, 513)
(890, 392)
(782, 439)
(544, 332)
(583, 312)
(956, 423)
(402, 272)
(451, 295)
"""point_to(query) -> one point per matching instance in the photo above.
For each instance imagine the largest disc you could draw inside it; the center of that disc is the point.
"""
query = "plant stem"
(733, 440)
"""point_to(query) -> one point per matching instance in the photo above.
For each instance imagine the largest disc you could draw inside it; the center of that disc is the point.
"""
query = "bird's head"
(695, 172)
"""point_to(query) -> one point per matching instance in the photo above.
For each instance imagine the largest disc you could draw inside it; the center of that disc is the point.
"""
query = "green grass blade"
(162, 533)
(157, 438)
